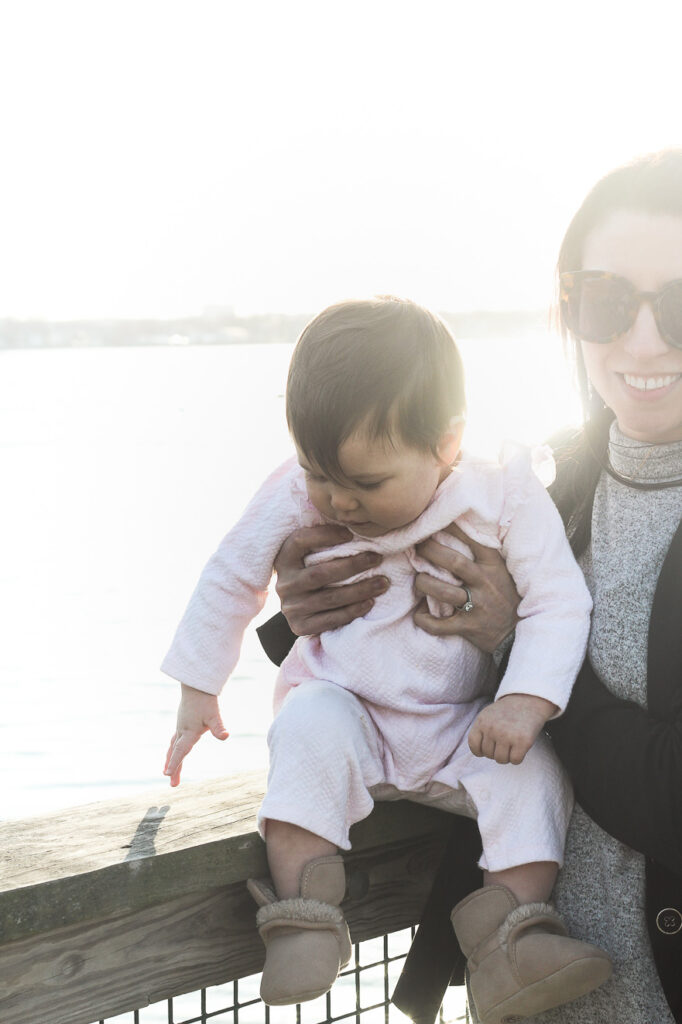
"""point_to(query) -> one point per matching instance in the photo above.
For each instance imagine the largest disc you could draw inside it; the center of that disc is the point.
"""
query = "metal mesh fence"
(361, 995)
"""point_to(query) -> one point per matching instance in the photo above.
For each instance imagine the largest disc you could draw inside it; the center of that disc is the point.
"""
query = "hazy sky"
(162, 156)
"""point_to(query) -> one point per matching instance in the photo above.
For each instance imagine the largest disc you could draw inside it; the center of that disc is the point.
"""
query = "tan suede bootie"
(306, 938)
(521, 960)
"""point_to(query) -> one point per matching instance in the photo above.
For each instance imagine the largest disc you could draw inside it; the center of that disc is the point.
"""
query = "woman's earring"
(595, 403)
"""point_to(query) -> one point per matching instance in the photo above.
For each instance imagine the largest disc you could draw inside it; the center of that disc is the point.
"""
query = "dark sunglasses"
(599, 306)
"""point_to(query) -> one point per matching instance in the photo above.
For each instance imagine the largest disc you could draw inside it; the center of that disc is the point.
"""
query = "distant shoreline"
(226, 329)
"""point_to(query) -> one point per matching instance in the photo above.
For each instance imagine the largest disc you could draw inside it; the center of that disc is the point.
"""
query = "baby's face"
(385, 485)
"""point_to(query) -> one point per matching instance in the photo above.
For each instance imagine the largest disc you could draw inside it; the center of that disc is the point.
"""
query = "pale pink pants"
(326, 771)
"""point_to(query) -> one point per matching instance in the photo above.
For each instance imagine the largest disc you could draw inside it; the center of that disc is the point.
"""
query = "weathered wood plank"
(94, 836)
(112, 858)
(81, 973)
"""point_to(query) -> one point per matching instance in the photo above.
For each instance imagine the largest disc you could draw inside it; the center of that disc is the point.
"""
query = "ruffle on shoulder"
(308, 514)
(498, 490)
(522, 468)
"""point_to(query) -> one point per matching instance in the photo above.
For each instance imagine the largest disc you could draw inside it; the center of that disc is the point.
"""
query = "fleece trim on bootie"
(520, 959)
(306, 937)
(298, 910)
(543, 914)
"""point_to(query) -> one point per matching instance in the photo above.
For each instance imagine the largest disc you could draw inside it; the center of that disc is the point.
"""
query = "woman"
(619, 489)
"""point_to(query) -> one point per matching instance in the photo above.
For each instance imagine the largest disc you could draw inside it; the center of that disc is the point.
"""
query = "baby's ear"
(451, 441)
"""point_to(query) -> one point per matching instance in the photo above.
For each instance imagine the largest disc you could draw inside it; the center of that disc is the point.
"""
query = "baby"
(380, 709)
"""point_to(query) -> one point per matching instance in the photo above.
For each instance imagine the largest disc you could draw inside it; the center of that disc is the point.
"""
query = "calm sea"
(121, 469)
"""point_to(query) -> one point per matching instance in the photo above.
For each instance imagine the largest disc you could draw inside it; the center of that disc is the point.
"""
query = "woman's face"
(638, 375)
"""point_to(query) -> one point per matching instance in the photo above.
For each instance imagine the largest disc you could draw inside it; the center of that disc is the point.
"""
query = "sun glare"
(267, 156)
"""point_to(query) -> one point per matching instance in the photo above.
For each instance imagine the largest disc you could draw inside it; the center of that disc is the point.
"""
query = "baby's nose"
(343, 500)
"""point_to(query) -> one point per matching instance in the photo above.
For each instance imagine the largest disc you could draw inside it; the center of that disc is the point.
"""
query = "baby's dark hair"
(384, 364)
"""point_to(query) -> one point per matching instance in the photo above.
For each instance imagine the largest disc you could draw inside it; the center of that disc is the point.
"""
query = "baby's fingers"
(519, 750)
(476, 740)
(217, 728)
(487, 746)
(179, 749)
(169, 752)
(502, 752)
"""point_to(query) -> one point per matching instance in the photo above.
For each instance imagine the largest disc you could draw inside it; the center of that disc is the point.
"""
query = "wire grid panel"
(361, 995)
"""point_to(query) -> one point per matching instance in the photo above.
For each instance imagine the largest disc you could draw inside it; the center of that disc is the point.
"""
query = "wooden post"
(112, 906)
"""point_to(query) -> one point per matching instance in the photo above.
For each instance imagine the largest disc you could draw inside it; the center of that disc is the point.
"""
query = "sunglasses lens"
(670, 314)
(599, 308)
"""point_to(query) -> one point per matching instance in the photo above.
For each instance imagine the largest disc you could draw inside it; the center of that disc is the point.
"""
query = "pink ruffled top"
(410, 679)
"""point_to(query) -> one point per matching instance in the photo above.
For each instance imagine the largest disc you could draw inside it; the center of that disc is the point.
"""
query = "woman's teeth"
(650, 383)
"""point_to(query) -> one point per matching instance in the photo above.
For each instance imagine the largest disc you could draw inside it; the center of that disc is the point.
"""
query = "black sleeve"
(276, 638)
(626, 767)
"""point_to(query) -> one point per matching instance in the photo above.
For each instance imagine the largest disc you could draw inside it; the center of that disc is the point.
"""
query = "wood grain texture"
(97, 926)
(114, 857)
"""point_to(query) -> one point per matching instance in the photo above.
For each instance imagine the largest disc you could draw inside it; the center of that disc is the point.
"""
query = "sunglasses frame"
(570, 278)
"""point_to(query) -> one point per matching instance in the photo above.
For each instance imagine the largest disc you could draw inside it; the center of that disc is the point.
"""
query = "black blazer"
(626, 767)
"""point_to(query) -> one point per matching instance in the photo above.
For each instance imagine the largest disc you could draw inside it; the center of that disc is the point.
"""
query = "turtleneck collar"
(643, 461)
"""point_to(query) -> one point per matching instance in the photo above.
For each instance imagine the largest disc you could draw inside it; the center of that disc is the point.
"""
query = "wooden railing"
(112, 906)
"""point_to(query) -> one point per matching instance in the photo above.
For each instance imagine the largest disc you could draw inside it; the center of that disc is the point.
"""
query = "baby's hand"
(198, 713)
(506, 730)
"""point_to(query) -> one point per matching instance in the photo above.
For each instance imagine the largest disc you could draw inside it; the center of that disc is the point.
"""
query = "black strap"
(435, 959)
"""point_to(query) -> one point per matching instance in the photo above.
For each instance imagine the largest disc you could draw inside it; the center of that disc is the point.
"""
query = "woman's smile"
(650, 388)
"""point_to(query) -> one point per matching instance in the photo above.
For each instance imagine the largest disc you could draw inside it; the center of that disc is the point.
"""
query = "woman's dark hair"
(384, 364)
(650, 184)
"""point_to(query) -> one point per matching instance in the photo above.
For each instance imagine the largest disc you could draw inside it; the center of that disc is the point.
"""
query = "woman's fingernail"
(380, 584)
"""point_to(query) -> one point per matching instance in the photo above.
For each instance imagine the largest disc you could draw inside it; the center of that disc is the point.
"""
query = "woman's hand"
(310, 603)
(493, 593)
(198, 713)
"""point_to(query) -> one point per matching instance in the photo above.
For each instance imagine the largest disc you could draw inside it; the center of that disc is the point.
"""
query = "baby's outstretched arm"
(506, 730)
(198, 713)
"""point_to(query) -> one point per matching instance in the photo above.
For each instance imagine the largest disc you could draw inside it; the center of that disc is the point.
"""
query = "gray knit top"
(600, 890)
